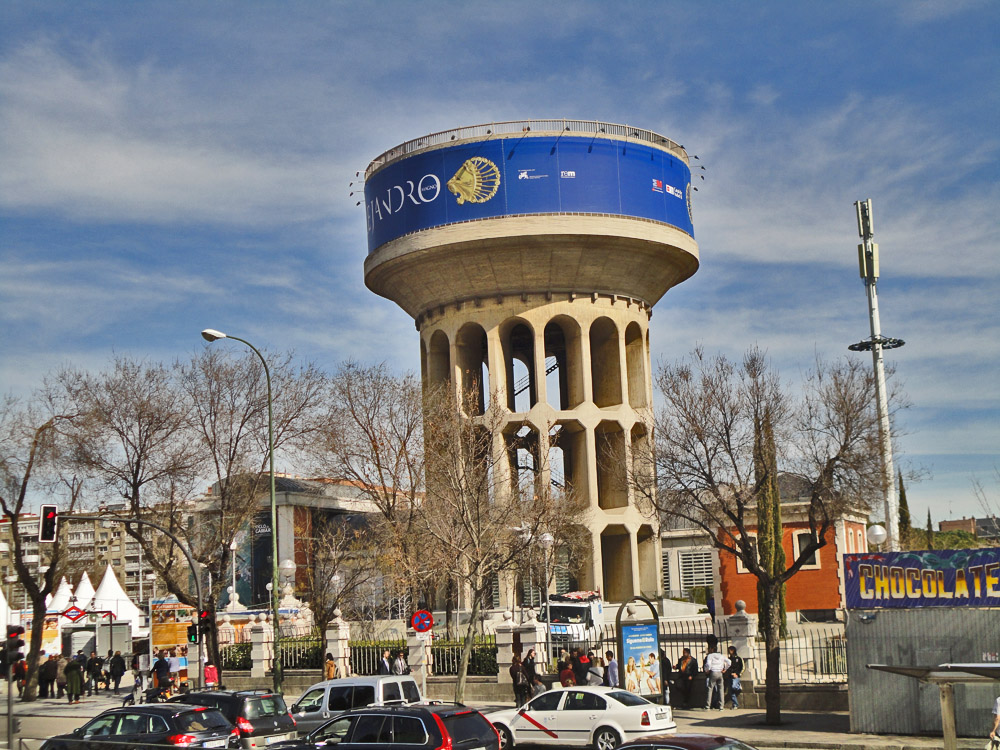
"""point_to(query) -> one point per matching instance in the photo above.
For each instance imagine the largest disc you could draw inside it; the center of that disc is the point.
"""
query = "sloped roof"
(111, 596)
(60, 600)
(84, 592)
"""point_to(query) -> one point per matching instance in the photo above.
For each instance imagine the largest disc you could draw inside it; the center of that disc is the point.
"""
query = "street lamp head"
(546, 540)
(210, 335)
(876, 534)
(287, 567)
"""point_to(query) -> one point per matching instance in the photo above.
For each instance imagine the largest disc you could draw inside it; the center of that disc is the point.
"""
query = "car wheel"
(506, 737)
(606, 738)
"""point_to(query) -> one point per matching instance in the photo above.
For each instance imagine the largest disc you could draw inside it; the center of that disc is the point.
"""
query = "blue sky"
(171, 166)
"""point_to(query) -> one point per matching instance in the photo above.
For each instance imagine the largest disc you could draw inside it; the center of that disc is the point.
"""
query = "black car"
(415, 726)
(261, 718)
(686, 742)
(142, 726)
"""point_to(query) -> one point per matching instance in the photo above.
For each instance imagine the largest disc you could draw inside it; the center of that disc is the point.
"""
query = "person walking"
(566, 676)
(61, 663)
(21, 676)
(47, 677)
(519, 680)
(529, 667)
(686, 670)
(116, 669)
(611, 669)
(714, 665)
(399, 666)
(161, 671)
(581, 666)
(595, 675)
(330, 667)
(95, 665)
(385, 664)
(74, 680)
(732, 674)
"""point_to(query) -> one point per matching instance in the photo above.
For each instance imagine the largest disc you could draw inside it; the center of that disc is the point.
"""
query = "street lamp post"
(545, 542)
(211, 335)
(152, 582)
(232, 591)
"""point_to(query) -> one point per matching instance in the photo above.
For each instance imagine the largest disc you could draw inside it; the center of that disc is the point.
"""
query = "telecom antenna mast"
(868, 266)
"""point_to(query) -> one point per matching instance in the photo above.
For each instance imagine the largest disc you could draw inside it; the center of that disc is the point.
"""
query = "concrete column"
(505, 648)
(338, 638)
(258, 652)
(948, 726)
(633, 550)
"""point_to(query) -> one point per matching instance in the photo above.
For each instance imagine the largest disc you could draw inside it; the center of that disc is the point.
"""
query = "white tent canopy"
(84, 592)
(60, 600)
(112, 597)
(5, 611)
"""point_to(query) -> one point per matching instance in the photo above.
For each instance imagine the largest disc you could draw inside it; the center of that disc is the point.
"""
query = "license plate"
(215, 743)
(276, 738)
(661, 714)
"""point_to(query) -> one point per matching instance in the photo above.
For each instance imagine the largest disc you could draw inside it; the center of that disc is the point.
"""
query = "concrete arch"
(605, 363)
(438, 369)
(635, 366)
(564, 386)
(472, 358)
(612, 477)
(517, 338)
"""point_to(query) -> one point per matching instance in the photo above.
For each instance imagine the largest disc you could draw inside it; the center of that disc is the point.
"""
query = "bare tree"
(706, 461)
(479, 520)
(32, 459)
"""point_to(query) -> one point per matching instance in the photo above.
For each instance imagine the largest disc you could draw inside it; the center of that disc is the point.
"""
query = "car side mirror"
(295, 708)
(78, 732)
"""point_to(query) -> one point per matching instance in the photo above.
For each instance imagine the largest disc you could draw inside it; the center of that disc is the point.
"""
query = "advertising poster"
(639, 663)
(927, 578)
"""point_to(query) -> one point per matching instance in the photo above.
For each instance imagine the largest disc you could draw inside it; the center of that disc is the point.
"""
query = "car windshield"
(628, 699)
(470, 726)
(564, 613)
(201, 721)
(267, 705)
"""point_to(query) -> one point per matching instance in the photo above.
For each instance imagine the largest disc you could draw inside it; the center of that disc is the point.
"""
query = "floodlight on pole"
(210, 335)
(868, 268)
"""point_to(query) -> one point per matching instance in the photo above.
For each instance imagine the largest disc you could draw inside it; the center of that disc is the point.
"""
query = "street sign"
(74, 613)
(422, 621)
(427, 636)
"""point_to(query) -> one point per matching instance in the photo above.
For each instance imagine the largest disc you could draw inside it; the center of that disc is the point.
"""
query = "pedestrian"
(665, 670)
(713, 667)
(995, 732)
(95, 665)
(686, 670)
(330, 667)
(116, 669)
(385, 665)
(529, 667)
(74, 680)
(61, 663)
(566, 676)
(399, 666)
(610, 669)
(595, 675)
(732, 674)
(106, 672)
(519, 680)
(211, 675)
(161, 671)
(21, 676)
(47, 677)
(581, 666)
(537, 687)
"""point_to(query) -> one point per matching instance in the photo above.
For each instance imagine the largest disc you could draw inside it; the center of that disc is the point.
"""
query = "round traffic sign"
(422, 621)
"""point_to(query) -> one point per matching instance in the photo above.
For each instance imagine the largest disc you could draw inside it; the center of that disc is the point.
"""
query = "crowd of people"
(648, 676)
(69, 676)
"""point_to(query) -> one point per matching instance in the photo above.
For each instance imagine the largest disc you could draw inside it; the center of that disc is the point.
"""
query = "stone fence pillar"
(742, 630)
(258, 651)
(505, 648)
(532, 634)
(338, 643)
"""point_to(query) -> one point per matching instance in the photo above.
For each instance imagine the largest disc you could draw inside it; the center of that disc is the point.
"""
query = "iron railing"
(365, 655)
(447, 656)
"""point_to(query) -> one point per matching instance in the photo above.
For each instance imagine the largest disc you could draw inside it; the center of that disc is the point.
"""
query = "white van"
(325, 700)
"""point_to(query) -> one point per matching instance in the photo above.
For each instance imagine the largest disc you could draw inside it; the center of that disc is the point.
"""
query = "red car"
(686, 742)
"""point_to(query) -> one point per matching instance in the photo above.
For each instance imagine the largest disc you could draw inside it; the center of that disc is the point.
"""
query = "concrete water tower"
(530, 255)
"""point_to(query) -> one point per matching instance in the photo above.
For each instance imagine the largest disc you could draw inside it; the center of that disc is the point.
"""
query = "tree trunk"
(470, 637)
(34, 649)
(770, 625)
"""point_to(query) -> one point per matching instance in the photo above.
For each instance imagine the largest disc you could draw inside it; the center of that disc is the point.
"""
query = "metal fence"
(365, 655)
(235, 656)
(447, 656)
(302, 652)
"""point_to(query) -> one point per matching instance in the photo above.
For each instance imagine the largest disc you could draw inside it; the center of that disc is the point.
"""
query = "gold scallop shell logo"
(476, 181)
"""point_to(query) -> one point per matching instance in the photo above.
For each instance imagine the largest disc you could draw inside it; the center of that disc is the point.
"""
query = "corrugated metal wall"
(893, 704)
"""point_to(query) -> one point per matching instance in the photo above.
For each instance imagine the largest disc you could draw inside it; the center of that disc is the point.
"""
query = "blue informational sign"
(639, 664)
(526, 175)
(932, 578)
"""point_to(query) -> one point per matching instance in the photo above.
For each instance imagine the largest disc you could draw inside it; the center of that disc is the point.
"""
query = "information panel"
(639, 662)
(932, 578)
(526, 175)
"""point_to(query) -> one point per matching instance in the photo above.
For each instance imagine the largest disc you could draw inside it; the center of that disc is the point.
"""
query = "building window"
(666, 572)
(799, 540)
(695, 568)
(740, 567)
(850, 541)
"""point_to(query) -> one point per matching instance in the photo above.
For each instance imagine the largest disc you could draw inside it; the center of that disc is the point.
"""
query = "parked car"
(328, 699)
(686, 742)
(261, 718)
(141, 726)
(423, 725)
(599, 716)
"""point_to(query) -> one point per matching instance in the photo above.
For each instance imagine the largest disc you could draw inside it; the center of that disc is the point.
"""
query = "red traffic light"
(14, 630)
(49, 523)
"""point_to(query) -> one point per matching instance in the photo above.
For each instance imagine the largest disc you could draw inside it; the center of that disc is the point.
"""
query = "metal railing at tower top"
(526, 127)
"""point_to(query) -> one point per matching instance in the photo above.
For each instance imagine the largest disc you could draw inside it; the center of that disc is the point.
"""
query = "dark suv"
(261, 718)
(425, 725)
(152, 724)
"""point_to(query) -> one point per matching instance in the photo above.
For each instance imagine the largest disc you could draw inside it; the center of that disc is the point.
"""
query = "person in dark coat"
(666, 669)
(161, 670)
(385, 664)
(47, 674)
(95, 669)
(735, 669)
(74, 680)
(519, 679)
(581, 666)
(529, 667)
(687, 668)
(116, 669)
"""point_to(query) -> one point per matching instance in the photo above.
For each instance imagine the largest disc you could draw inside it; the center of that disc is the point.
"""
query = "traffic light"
(50, 520)
(204, 620)
(192, 633)
(14, 644)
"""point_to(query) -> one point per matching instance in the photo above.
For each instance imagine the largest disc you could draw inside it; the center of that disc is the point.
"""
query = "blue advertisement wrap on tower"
(929, 578)
(524, 176)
